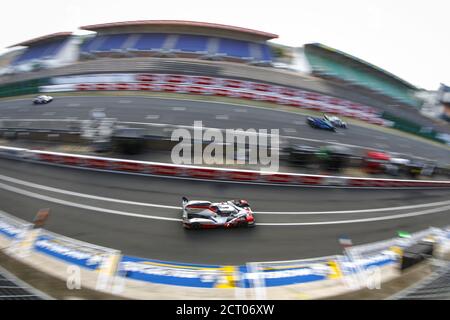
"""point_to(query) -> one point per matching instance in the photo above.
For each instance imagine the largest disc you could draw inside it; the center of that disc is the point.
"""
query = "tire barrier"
(210, 173)
(218, 87)
(364, 262)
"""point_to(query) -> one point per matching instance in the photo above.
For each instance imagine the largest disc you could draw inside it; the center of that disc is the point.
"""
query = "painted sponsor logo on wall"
(71, 252)
(215, 276)
(9, 230)
(189, 275)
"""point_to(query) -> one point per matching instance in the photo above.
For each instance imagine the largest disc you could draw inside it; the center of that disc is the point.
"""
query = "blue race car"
(320, 123)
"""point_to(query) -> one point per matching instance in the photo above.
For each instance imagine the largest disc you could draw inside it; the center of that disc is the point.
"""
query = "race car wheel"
(195, 226)
(243, 224)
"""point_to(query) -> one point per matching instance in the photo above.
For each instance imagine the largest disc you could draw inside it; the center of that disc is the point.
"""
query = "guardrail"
(260, 280)
(209, 173)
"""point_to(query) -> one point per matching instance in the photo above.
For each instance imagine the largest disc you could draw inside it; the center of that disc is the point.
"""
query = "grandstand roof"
(361, 62)
(181, 26)
(45, 38)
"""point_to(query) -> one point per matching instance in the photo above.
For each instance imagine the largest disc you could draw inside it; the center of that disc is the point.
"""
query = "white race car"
(336, 121)
(42, 99)
(207, 215)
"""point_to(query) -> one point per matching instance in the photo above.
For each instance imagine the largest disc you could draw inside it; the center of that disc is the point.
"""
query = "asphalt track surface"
(140, 214)
(216, 115)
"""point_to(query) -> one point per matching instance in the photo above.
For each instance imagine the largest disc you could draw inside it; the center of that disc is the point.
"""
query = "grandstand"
(52, 50)
(7, 58)
(330, 63)
(156, 38)
(444, 100)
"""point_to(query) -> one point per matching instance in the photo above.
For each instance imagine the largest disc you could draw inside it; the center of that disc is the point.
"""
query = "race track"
(217, 115)
(140, 216)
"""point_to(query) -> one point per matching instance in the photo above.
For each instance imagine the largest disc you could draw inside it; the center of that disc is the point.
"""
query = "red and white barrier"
(210, 173)
(216, 86)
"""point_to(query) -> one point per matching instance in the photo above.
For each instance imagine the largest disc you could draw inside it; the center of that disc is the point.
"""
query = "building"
(174, 38)
(333, 64)
(53, 50)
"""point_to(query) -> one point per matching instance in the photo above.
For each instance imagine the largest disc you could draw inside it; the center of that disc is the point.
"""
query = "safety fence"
(258, 277)
(212, 86)
(12, 288)
(22, 87)
(209, 173)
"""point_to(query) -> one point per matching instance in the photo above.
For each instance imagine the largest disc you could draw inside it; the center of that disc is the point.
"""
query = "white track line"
(82, 206)
(137, 215)
(145, 204)
(423, 205)
(397, 216)
(83, 195)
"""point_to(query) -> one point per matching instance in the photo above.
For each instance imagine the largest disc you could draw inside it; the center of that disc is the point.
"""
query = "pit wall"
(209, 173)
(84, 265)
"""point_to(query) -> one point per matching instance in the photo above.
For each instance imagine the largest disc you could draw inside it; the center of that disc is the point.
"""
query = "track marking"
(178, 108)
(137, 215)
(423, 205)
(152, 116)
(82, 195)
(82, 206)
(289, 130)
(88, 196)
(397, 216)
(222, 117)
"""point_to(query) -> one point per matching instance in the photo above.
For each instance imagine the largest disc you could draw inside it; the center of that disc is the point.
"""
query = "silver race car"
(42, 99)
(336, 121)
(207, 215)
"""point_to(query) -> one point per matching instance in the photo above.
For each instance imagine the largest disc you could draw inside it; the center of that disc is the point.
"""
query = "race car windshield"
(223, 211)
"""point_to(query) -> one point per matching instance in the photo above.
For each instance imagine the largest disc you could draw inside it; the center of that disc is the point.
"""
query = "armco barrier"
(215, 86)
(222, 174)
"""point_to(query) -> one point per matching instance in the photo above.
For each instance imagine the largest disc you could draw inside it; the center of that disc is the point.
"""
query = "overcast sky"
(409, 38)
